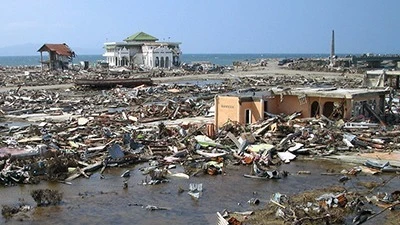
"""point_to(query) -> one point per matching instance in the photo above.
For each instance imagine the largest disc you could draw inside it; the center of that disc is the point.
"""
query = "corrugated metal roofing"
(60, 49)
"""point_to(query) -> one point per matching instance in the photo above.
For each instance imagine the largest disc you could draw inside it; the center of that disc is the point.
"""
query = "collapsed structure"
(382, 78)
(334, 103)
(75, 133)
(60, 56)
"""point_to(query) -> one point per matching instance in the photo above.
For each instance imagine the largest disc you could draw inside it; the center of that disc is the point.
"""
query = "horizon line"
(91, 54)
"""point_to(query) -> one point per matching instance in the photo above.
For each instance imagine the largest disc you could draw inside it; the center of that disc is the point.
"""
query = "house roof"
(331, 92)
(387, 72)
(141, 36)
(59, 49)
(247, 95)
(327, 92)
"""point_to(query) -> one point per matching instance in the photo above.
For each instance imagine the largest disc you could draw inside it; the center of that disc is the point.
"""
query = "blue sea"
(218, 59)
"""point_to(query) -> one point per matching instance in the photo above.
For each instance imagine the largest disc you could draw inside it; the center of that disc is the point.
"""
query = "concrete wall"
(348, 107)
(232, 108)
(226, 108)
(288, 104)
(376, 103)
(256, 109)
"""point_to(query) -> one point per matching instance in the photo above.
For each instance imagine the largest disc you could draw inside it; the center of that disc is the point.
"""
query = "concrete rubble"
(61, 135)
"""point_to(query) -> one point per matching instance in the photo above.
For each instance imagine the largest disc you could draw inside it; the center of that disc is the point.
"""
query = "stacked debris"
(27, 76)
(88, 130)
(298, 81)
(331, 205)
(323, 65)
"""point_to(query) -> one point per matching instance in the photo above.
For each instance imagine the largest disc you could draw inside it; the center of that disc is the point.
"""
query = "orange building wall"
(323, 100)
(229, 108)
(370, 98)
(289, 105)
(256, 108)
(226, 107)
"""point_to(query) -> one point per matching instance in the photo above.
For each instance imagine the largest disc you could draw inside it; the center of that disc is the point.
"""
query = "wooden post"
(41, 61)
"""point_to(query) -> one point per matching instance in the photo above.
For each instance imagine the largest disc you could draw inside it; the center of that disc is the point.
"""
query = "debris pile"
(46, 197)
(323, 65)
(331, 205)
(64, 135)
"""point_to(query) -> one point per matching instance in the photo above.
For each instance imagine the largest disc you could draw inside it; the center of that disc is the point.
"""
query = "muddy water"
(104, 201)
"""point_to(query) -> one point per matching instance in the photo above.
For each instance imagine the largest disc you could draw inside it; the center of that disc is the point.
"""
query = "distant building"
(250, 107)
(382, 78)
(142, 49)
(60, 56)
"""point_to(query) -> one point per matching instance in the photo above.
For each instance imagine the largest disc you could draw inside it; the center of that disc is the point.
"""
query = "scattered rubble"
(46, 197)
(61, 135)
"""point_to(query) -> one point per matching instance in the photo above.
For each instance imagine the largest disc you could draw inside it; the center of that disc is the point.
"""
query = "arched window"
(328, 109)
(157, 62)
(167, 62)
(314, 109)
(162, 62)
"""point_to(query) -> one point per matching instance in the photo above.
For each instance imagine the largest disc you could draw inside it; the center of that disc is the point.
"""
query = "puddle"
(96, 200)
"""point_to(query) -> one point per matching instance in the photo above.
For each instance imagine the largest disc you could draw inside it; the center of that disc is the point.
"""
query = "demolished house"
(77, 132)
(60, 56)
(334, 103)
(245, 108)
(382, 78)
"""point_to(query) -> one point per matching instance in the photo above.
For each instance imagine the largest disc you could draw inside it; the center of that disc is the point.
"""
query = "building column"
(216, 113)
(262, 109)
(41, 61)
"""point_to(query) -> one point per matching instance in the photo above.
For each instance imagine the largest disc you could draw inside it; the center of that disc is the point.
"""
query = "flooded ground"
(104, 201)
(102, 198)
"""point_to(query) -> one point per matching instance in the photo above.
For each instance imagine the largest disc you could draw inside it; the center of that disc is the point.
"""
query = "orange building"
(244, 108)
(247, 108)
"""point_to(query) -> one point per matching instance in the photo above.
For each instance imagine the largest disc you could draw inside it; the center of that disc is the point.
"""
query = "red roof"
(59, 49)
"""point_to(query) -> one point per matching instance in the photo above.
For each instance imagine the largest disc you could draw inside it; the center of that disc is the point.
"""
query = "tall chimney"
(333, 44)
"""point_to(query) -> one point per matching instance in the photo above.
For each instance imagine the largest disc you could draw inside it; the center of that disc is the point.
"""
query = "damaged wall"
(329, 107)
(227, 108)
(234, 108)
(256, 110)
(287, 104)
(376, 103)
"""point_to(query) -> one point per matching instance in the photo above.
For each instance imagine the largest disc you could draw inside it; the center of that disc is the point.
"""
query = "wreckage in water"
(109, 83)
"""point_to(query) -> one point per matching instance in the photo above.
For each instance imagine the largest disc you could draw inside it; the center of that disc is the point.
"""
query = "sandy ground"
(360, 158)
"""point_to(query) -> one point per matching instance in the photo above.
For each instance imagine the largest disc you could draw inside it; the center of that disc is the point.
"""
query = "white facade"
(157, 56)
(149, 54)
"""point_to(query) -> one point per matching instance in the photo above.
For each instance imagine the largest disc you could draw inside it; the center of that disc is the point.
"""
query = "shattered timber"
(166, 126)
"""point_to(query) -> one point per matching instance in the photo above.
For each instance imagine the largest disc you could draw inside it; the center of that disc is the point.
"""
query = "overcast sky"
(209, 26)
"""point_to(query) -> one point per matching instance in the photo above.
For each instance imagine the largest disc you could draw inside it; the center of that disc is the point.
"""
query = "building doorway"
(166, 62)
(328, 109)
(162, 62)
(314, 109)
(247, 118)
(265, 108)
